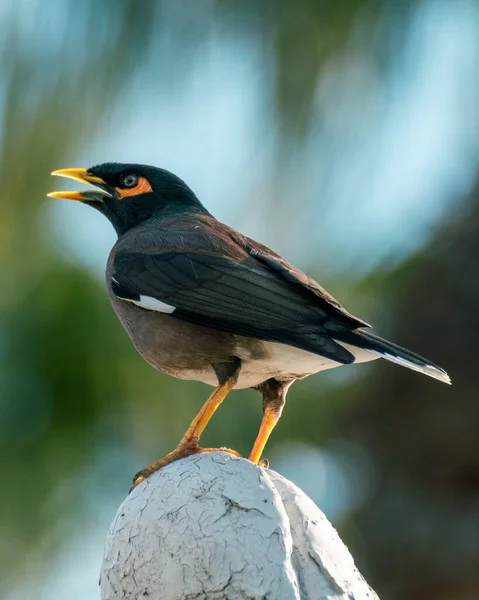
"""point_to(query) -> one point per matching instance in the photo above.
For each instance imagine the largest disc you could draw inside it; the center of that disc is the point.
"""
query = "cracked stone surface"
(216, 527)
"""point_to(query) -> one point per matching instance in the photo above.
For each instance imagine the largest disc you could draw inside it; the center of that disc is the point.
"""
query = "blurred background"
(345, 135)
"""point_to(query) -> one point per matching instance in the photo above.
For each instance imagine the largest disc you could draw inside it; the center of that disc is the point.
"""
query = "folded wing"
(253, 297)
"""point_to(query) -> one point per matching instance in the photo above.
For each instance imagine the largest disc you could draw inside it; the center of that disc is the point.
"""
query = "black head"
(130, 194)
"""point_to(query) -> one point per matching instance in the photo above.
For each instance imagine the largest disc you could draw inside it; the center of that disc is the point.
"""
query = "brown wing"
(208, 274)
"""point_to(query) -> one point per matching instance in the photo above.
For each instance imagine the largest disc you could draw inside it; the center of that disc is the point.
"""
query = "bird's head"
(129, 194)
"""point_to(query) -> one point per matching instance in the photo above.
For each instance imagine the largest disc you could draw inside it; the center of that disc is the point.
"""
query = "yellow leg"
(270, 417)
(199, 423)
(274, 397)
(189, 443)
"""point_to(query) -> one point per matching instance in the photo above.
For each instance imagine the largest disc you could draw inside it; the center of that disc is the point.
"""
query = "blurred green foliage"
(72, 386)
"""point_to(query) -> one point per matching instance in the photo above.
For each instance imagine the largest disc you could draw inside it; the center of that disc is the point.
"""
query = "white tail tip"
(434, 372)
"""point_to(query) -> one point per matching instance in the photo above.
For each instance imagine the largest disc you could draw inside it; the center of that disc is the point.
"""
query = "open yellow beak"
(85, 177)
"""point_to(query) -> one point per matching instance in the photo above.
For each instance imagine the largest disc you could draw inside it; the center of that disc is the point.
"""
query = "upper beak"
(85, 177)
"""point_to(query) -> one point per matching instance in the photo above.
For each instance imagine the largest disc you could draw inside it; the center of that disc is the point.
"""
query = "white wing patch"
(149, 303)
(153, 304)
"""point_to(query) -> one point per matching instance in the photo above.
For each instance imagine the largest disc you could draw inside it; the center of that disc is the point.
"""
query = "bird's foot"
(177, 454)
(228, 450)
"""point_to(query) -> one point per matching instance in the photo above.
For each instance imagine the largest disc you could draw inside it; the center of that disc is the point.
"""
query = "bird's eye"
(129, 180)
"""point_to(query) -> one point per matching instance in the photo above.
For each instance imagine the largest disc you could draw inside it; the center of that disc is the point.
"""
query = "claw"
(228, 450)
(177, 454)
(137, 479)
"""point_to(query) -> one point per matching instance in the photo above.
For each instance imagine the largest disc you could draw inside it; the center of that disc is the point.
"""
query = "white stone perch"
(215, 527)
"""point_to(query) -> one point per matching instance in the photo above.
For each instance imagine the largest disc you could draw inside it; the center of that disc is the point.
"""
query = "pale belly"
(280, 361)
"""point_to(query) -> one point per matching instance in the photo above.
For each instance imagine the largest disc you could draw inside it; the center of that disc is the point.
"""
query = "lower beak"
(85, 177)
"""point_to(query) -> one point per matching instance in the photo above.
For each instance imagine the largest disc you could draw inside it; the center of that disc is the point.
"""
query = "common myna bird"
(201, 301)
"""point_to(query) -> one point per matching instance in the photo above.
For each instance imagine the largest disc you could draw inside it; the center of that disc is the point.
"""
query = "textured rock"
(214, 527)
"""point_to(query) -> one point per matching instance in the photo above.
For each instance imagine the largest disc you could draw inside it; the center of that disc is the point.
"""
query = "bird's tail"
(360, 338)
